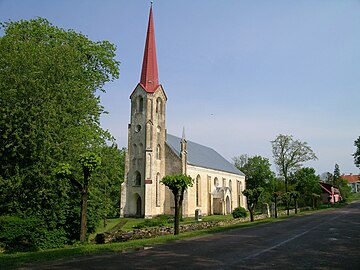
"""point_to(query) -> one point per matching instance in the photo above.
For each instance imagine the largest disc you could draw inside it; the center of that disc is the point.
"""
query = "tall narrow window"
(140, 104)
(216, 182)
(230, 185)
(140, 150)
(158, 152)
(198, 190)
(137, 179)
(158, 190)
(158, 106)
(134, 152)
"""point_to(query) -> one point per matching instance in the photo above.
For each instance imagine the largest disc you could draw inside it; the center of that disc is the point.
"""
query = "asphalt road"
(327, 240)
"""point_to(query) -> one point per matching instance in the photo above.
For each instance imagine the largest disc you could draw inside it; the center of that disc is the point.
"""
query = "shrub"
(25, 234)
(239, 212)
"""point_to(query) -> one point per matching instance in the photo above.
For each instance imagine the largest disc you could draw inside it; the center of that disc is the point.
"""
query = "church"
(153, 153)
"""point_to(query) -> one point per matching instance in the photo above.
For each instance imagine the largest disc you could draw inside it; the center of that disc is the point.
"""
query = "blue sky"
(236, 73)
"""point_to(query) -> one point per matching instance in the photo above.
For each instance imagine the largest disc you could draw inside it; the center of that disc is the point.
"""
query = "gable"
(202, 156)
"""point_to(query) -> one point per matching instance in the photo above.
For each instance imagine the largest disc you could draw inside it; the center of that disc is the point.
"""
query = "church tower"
(146, 139)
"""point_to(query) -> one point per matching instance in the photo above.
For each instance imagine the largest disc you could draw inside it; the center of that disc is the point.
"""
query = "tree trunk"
(83, 215)
(84, 204)
(177, 214)
(296, 205)
(251, 214)
(275, 206)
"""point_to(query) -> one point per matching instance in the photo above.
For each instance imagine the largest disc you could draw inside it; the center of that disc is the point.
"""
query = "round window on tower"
(137, 128)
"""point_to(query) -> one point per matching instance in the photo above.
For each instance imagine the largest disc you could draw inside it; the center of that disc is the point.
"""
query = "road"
(326, 240)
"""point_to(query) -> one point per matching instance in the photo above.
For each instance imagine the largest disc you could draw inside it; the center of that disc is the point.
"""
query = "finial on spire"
(151, 2)
(183, 134)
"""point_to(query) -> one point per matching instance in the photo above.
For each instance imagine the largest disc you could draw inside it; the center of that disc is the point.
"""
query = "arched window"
(198, 190)
(137, 179)
(230, 184)
(158, 152)
(159, 106)
(140, 104)
(158, 189)
(216, 182)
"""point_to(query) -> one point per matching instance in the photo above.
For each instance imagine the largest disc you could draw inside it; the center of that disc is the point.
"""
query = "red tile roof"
(351, 178)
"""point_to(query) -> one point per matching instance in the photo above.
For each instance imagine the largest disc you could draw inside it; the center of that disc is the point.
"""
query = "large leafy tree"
(289, 155)
(257, 170)
(49, 112)
(177, 184)
(307, 184)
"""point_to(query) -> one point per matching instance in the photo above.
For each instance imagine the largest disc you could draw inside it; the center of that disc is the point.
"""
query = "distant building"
(329, 193)
(353, 181)
(153, 154)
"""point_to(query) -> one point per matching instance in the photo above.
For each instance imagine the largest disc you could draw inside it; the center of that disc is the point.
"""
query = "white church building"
(153, 154)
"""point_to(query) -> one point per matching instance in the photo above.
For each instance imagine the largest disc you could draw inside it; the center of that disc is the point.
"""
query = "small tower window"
(159, 106)
(134, 153)
(158, 152)
(140, 104)
(140, 150)
(137, 128)
(137, 179)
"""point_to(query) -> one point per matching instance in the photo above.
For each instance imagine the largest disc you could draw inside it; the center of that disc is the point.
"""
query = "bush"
(239, 212)
(28, 234)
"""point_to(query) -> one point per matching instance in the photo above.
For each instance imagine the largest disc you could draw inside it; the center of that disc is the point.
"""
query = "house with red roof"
(353, 181)
(329, 193)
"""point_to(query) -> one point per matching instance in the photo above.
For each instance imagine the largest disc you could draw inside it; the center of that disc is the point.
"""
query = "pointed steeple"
(149, 73)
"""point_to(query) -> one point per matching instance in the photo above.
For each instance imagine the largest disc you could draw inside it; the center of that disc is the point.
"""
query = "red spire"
(149, 73)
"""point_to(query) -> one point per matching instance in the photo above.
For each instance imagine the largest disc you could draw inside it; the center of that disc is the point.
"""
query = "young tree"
(89, 162)
(177, 184)
(289, 155)
(252, 198)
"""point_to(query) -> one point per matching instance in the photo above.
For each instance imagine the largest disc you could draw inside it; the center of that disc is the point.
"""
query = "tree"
(257, 171)
(50, 111)
(89, 162)
(307, 184)
(336, 175)
(342, 184)
(240, 161)
(289, 155)
(252, 198)
(177, 184)
(357, 152)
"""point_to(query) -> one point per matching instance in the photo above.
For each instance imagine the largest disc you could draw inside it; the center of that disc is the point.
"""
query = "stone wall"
(122, 236)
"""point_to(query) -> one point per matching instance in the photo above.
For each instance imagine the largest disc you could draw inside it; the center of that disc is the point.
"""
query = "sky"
(236, 73)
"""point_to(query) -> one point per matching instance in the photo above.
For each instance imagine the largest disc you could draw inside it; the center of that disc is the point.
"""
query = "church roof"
(149, 73)
(202, 156)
